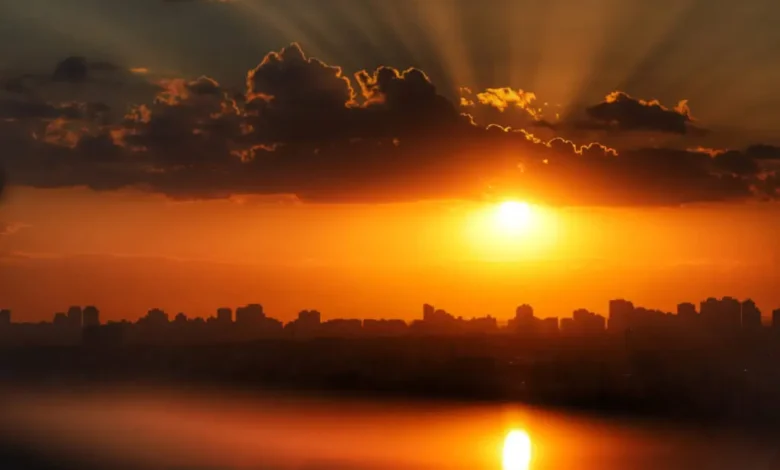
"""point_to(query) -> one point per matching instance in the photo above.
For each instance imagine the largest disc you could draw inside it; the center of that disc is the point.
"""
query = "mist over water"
(158, 428)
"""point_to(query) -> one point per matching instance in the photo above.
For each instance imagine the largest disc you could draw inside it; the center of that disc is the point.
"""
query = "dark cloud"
(304, 127)
(763, 152)
(622, 111)
(71, 69)
(204, 86)
(17, 85)
(76, 69)
(30, 109)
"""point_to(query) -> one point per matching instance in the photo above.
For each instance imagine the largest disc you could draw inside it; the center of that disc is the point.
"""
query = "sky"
(355, 156)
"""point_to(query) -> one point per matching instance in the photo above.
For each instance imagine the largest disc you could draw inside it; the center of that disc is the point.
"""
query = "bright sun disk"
(514, 217)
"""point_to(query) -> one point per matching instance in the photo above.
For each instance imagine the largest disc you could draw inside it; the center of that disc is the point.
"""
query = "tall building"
(724, 315)
(250, 314)
(751, 315)
(732, 313)
(75, 319)
(225, 315)
(586, 322)
(621, 315)
(155, 317)
(710, 311)
(91, 316)
(61, 320)
(428, 311)
(686, 311)
(525, 312)
(309, 317)
(5, 318)
(524, 321)
(309, 323)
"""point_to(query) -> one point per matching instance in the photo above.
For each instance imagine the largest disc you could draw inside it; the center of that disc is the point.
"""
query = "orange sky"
(652, 169)
(127, 252)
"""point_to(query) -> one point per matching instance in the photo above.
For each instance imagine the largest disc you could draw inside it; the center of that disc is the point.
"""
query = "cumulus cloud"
(622, 111)
(304, 127)
(72, 69)
(505, 98)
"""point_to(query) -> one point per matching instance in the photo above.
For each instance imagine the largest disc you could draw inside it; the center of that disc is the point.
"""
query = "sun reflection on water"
(517, 451)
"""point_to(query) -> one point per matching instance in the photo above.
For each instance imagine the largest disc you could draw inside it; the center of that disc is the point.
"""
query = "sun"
(512, 230)
(517, 451)
(513, 217)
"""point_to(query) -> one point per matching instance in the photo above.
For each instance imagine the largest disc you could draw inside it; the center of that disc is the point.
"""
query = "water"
(179, 429)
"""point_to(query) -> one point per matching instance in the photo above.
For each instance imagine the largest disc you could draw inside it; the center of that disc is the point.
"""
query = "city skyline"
(726, 315)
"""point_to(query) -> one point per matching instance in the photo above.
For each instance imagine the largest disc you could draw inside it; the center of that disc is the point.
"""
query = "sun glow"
(513, 230)
(517, 451)
(514, 217)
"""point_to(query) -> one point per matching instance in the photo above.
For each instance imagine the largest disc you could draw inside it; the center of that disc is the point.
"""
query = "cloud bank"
(301, 126)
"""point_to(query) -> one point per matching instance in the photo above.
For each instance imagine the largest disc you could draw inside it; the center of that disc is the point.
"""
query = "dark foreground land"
(734, 381)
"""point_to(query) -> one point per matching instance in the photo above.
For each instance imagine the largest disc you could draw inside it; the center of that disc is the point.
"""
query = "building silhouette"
(428, 311)
(436, 321)
(621, 315)
(725, 317)
(751, 315)
(341, 328)
(309, 318)
(722, 315)
(61, 320)
(586, 322)
(373, 327)
(524, 322)
(686, 312)
(308, 324)
(154, 318)
(91, 316)
(225, 316)
(249, 315)
(75, 317)
(710, 311)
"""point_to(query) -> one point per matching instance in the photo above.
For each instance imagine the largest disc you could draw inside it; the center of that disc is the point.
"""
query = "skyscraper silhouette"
(251, 314)
(75, 317)
(751, 315)
(428, 311)
(225, 316)
(621, 315)
(91, 316)
(687, 311)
